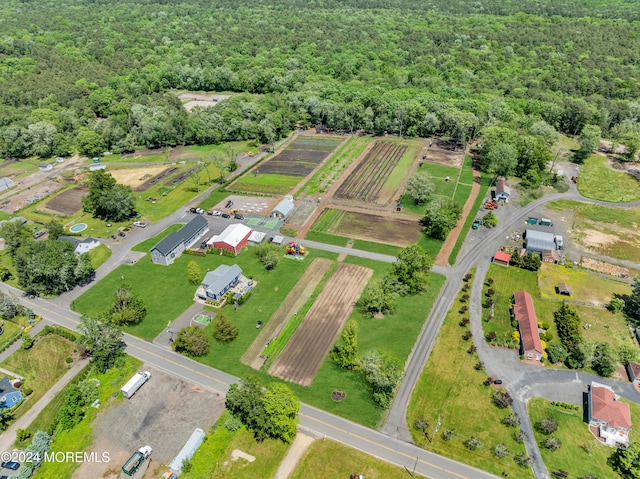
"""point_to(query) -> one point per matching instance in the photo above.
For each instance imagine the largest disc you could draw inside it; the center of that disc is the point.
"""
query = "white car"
(140, 224)
(216, 213)
(199, 211)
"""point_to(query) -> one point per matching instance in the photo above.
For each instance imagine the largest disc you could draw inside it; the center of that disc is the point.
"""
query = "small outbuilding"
(538, 241)
(97, 166)
(257, 237)
(503, 191)
(6, 183)
(502, 258)
(399, 208)
(550, 256)
(278, 240)
(284, 208)
(564, 288)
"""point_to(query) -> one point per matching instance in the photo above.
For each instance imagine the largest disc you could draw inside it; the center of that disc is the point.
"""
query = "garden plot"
(68, 202)
(367, 181)
(380, 229)
(444, 152)
(304, 353)
(26, 197)
(136, 177)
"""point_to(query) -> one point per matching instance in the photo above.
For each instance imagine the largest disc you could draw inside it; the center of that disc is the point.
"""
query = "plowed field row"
(302, 356)
(367, 180)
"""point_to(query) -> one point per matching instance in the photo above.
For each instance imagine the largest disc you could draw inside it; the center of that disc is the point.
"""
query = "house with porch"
(609, 418)
(217, 282)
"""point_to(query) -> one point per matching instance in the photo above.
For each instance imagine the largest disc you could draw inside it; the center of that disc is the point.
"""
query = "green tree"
(40, 445)
(383, 373)
(420, 187)
(27, 340)
(412, 267)
(490, 220)
(108, 199)
(192, 341)
(42, 135)
(102, 340)
(556, 353)
(345, 354)
(376, 298)
(531, 261)
(54, 229)
(628, 353)
(281, 408)
(568, 327)
(89, 142)
(502, 159)
(269, 255)
(15, 236)
(245, 402)
(127, 307)
(627, 461)
(223, 329)
(8, 307)
(604, 360)
(193, 272)
(616, 304)
(589, 140)
(441, 216)
(632, 303)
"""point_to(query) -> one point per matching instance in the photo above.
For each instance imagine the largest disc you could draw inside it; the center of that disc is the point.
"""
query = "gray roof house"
(171, 247)
(81, 246)
(538, 241)
(284, 208)
(9, 395)
(219, 281)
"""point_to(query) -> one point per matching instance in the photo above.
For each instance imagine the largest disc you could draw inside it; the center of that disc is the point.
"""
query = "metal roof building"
(6, 183)
(187, 451)
(284, 208)
(171, 247)
(538, 241)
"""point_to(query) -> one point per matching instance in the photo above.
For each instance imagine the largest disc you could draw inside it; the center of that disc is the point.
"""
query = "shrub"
(68, 360)
(232, 423)
(489, 281)
(464, 309)
(510, 420)
(522, 460)
(467, 336)
(467, 277)
(491, 336)
(473, 443)
(548, 425)
(472, 349)
(22, 435)
(464, 298)
(464, 322)
(490, 292)
(27, 391)
(518, 436)
(500, 450)
(192, 341)
(552, 443)
(448, 434)
(487, 381)
(502, 399)
(479, 366)
(27, 341)
(223, 330)
(421, 425)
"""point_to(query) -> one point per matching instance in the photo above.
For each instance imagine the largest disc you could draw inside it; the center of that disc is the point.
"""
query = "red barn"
(233, 238)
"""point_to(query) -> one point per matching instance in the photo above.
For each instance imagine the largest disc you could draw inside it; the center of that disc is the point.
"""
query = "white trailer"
(135, 383)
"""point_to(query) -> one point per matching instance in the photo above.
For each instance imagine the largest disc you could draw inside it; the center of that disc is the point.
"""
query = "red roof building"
(609, 418)
(633, 370)
(233, 238)
(523, 312)
(502, 258)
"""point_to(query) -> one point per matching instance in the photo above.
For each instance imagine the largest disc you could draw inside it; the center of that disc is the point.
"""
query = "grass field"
(11, 328)
(442, 188)
(81, 437)
(18, 168)
(268, 184)
(599, 181)
(185, 153)
(99, 255)
(329, 459)
(444, 391)
(41, 366)
(580, 453)
(357, 244)
(146, 245)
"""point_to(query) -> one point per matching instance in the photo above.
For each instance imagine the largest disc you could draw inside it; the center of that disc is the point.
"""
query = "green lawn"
(19, 168)
(329, 459)
(357, 244)
(462, 194)
(266, 183)
(11, 328)
(451, 390)
(80, 438)
(215, 197)
(99, 255)
(599, 181)
(568, 143)
(41, 366)
(580, 453)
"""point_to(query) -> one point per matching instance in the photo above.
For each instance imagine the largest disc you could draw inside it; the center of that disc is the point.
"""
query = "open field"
(451, 390)
(379, 173)
(69, 202)
(603, 230)
(204, 100)
(41, 366)
(443, 187)
(307, 348)
(597, 180)
(298, 295)
(380, 229)
(444, 152)
(135, 177)
(183, 153)
(274, 184)
(18, 168)
(581, 453)
(355, 243)
(329, 173)
(329, 459)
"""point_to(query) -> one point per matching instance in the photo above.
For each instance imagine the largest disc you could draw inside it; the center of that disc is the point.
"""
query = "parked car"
(193, 210)
(216, 213)
(225, 215)
(476, 224)
(199, 211)
(140, 224)
(13, 465)
(229, 204)
(497, 381)
(238, 216)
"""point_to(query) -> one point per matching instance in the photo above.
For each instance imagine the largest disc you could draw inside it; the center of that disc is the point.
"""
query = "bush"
(479, 366)
(552, 443)
(522, 460)
(548, 425)
(27, 391)
(467, 336)
(22, 435)
(448, 434)
(463, 322)
(27, 341)
(223, 330)
(191, 341)
(500, 450)
(511, 420)
(502, 399)
(232, 423)
(473, 443)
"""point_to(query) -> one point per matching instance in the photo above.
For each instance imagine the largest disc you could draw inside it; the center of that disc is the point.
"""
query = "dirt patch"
(200, 99)
(288, 464)
(443, 152)
(162, 414)
(302, 356)
(597, 239)
(296, 298)
(68, 202)
(603, 267)
(135, 177)
(26, 197)
(302, 212)
(238, 454)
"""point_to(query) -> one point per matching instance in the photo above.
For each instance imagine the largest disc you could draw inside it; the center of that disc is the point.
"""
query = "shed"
(6, 183)
(503, 191)
(564, 288)
(186, 453)
(501, 258)
(257, 237)
(538, 241)
(550, 256)
(284, 208)
(399, 207)
(278, 240)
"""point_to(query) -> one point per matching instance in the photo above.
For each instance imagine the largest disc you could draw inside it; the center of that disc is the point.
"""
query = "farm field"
(18, 168)
(599, 181)
(356, 243)
(183, 153)
(603, 230)
(380, 229)
(581, 453)
(138, 178)
(443, 187)
(443, 394)
(307, 348)
(67, 203)
(289, 166)
(379, 174)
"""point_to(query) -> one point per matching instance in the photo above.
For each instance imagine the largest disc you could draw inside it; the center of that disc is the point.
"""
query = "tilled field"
(300, 157)
(302, 356)
(67, 202)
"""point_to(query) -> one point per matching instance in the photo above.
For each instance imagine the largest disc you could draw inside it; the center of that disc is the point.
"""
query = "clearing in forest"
(302, 356)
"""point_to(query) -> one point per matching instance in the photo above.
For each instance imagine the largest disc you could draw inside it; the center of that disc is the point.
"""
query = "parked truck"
(135, 383)
(131, 466)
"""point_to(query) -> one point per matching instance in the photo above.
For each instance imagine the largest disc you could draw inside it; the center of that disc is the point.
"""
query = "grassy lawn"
(328, 459)
(81, 437)
(580, 453)
(444, 391)
(99, 255)
(357, 244)
(215, 197)
(7, 262)
(146, 245)
(10, 328)
(601, 182)
(19, 167)
(321, 181)
(221, 150)
(267, 183)
(462, 194)
(41, 366)
(568, 143)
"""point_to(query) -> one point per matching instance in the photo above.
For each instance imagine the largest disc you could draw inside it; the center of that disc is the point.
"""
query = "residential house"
(609, 418)
(171, 247)
(233, 238)
(538, 241)
(633, 370)
(503, 191)
(284, 208)
(9, 395)
(81, 245)
(217, 282)
(525, 314)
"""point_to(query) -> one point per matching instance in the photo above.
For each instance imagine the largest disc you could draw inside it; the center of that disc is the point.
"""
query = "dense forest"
(101, 75)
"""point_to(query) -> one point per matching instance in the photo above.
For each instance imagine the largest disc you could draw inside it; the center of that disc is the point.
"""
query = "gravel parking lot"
(162, 414)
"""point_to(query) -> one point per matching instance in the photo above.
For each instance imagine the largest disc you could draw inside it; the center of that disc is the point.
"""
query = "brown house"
(525, 314)
(633, 370)
(550, 256)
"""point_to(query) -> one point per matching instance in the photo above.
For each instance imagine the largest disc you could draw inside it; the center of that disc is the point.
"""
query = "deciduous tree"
(440, 217)
(191, 341)
(128, 307)
(193, 272)
(102, 340)
(589, 139)
(420, 187)
(108, 199)
(502, 159)
(383, 373)
(412, 267)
